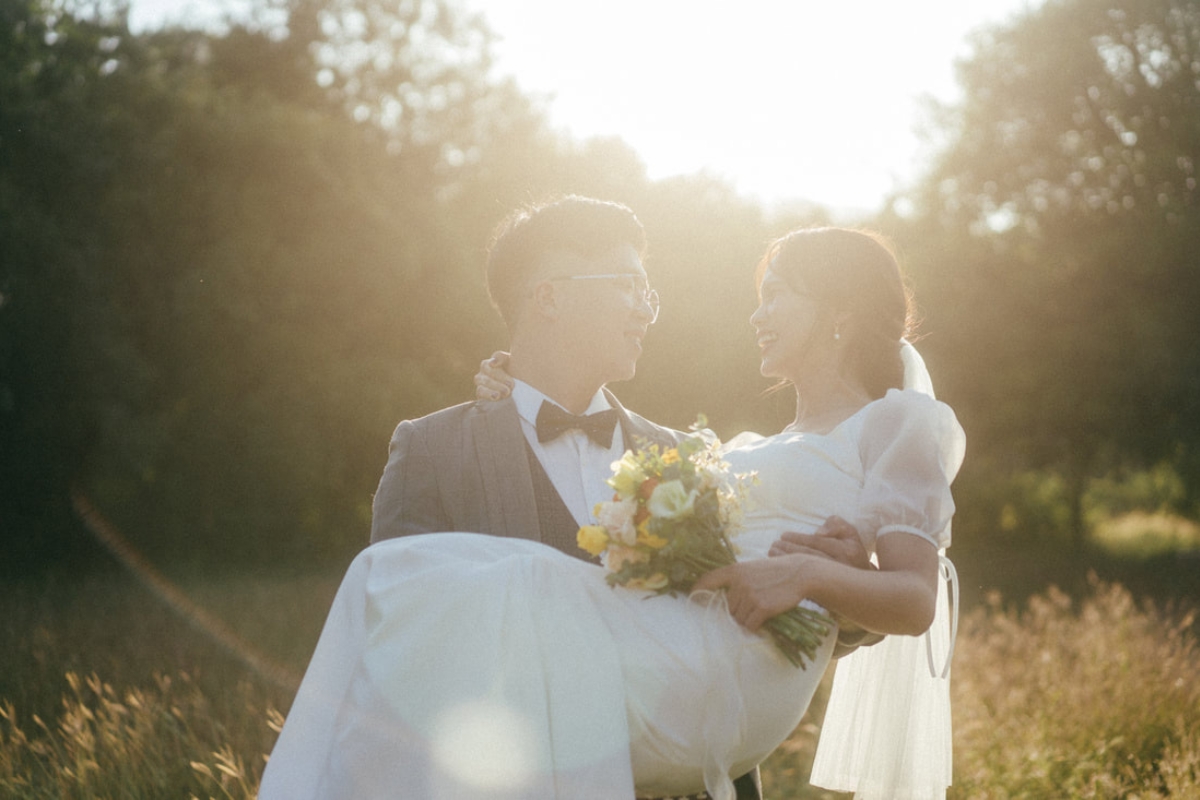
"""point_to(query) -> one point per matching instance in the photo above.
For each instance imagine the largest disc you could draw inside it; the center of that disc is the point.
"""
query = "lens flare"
(485, 744)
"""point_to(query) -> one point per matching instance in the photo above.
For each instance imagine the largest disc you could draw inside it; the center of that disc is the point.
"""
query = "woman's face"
(785, 323)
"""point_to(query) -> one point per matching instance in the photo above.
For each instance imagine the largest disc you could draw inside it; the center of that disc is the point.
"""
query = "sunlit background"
(790, 100)
(234, 256)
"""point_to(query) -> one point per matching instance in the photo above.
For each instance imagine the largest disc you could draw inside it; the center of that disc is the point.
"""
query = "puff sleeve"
(912, 447)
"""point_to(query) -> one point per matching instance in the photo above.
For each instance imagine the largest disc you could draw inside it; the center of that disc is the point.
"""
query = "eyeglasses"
(635, 286)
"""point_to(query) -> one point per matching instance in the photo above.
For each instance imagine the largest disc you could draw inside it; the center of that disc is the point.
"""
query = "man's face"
(606, 308)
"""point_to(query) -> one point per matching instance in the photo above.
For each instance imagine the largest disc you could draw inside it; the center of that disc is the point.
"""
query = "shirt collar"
(529, 400)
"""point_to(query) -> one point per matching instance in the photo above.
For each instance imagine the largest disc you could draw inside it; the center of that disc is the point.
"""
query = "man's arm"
(408, 500)
(839, 541)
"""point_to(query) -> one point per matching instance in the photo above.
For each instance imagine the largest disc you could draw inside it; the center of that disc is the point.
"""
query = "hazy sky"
(785, 98)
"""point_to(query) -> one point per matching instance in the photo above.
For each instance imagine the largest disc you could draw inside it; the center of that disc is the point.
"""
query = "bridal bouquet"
(669, 522)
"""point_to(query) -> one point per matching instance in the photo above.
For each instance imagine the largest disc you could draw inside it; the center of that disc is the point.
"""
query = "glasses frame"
(648, 296)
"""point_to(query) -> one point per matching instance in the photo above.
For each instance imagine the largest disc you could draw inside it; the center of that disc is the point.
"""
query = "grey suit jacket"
(466, 468)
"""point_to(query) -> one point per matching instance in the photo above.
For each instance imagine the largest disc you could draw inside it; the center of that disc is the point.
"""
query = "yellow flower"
(656, 581)
(592, 538)
(627, 475)
(671, 456)
(653, 541)
(651, 583)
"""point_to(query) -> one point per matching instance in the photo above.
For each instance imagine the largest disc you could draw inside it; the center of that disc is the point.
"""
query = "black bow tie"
(553, 421)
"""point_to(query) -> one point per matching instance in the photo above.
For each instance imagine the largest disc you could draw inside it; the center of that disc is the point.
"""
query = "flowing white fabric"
(457, 665)
(404, 698)
(887, 729)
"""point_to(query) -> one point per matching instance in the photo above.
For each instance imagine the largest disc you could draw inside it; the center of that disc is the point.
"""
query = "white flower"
(617, 517)
(670, 500)
(712, 475)
(627, 475)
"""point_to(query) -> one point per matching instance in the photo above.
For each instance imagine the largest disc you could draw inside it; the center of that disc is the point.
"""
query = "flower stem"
(798, 633)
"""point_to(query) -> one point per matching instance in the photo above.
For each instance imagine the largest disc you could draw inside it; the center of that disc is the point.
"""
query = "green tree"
(62, 349)
(1058, 230)
(220, 287)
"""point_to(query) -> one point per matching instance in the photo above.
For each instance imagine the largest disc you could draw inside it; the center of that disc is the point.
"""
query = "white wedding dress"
(457, 665)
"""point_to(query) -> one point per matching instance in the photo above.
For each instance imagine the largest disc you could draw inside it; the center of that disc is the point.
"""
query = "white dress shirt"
(577, 466)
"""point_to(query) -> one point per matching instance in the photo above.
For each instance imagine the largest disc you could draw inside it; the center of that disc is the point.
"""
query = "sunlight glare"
(785, 99)
(485, 744)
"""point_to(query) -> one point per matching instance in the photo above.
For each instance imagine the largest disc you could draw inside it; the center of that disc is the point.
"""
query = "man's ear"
(546, 301)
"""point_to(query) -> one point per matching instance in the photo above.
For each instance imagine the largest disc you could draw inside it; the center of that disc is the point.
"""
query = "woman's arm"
(493, 382)
(836, 538)
(898, 598)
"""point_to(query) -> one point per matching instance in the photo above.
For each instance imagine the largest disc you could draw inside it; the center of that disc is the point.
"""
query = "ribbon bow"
(553, 422)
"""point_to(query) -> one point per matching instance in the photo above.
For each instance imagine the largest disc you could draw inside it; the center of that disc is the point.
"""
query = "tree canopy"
(1060, 227)
(232, 261)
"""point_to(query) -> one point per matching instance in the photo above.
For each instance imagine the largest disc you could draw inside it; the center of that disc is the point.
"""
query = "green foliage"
(1018, 524)
(272, 254)
(220, 292)
(231, 261)
(52, 162)
(1140, 514)
(1080, 107)
(1034, 507)
(1158, 489)
(1053, 242)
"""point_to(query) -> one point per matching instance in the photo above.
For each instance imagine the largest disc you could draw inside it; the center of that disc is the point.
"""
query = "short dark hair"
(571, 224)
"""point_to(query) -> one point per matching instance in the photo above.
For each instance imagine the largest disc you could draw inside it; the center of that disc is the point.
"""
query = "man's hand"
(839, 541)
(836, 539)
(759, 589)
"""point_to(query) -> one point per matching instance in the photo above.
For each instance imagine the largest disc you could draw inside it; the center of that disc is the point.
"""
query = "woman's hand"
(836, 539)
(492, 382)
(758, 590)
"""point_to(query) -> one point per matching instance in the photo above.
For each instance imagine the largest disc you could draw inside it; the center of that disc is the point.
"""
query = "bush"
(1025, 508)
(1157, 490)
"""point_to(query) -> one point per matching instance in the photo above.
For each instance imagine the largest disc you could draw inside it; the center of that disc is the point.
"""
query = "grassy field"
(107, 690)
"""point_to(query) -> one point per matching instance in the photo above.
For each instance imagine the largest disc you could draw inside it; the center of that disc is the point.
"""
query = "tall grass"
(155, 742)
(1061, 699)
(1096, 698)
(107, 692)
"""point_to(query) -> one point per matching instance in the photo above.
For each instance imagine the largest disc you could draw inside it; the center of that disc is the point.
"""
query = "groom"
(567, 278)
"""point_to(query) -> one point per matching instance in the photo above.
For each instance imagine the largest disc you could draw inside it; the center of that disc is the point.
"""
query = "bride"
(457, 665)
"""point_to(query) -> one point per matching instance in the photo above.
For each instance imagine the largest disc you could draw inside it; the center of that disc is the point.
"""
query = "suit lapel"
(637, 430)
(495, 436)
